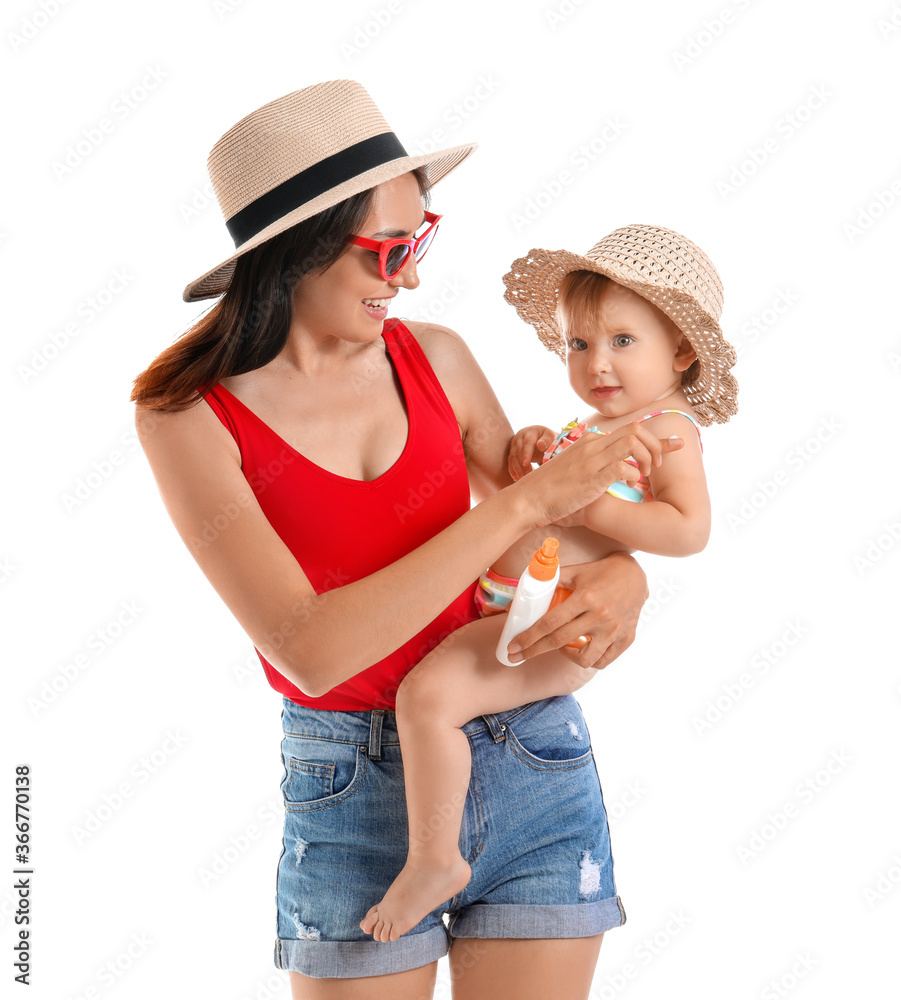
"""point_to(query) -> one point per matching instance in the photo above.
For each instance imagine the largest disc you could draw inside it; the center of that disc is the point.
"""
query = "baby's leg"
(458, 681)
(515, 560)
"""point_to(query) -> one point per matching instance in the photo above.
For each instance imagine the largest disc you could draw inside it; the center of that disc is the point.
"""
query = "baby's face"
(633, 358)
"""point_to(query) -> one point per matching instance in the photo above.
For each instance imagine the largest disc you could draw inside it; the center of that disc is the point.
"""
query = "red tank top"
(341, 530)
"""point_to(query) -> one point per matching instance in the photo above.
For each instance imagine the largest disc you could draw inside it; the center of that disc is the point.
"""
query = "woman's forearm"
(329, 637)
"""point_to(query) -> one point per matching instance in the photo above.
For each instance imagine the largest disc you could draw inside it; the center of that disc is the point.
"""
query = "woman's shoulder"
(445, 350)
(166, 432)
(463, 381)
(152, 415)
(435, 340)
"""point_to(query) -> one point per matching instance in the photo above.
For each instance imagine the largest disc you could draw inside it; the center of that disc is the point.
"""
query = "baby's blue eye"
(622, 340)
(577, 345)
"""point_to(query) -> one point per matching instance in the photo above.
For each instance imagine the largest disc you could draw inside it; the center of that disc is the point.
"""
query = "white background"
(746, 743)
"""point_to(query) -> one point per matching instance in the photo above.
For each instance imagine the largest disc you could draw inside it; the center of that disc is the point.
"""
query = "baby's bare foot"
(416, 891)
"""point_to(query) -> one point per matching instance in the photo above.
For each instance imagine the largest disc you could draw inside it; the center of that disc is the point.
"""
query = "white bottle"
(533, 596)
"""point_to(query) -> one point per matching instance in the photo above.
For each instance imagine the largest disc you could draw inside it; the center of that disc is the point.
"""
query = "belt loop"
(375, 733)
(497, 729)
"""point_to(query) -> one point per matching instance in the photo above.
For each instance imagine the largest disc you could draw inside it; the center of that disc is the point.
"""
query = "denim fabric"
(534, 831)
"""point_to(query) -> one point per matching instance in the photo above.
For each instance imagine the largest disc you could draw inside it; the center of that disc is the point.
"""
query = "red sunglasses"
(394, 254)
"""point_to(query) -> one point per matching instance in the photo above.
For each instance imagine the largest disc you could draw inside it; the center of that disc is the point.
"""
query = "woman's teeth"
(377, 303)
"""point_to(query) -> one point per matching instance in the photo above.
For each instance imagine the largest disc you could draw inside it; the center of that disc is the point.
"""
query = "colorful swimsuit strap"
(684, 414)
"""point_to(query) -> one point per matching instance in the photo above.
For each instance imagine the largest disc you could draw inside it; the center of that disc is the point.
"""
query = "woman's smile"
(378, 308)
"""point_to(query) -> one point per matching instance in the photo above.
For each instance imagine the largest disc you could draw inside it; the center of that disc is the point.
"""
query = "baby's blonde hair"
(579, 307)
(579, 302)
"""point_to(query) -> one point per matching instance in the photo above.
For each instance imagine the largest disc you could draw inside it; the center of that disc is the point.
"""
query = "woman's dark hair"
(249, 325)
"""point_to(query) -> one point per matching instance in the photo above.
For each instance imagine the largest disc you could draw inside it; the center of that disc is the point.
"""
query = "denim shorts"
(534, 831)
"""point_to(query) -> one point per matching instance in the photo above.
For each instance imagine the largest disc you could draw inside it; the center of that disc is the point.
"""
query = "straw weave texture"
(287, 136)
(663, 267)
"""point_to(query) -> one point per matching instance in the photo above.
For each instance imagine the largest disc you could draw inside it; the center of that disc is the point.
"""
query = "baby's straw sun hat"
(298, 155)
(661, 266)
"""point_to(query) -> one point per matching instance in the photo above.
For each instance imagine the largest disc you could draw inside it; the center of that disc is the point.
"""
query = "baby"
(637, 322)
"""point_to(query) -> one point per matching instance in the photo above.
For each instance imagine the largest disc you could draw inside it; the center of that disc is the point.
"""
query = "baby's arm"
(677, 521)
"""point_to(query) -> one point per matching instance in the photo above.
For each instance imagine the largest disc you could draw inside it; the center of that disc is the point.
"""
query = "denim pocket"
(320, 773)
(306, 780)
(551, 735)
(557, 761)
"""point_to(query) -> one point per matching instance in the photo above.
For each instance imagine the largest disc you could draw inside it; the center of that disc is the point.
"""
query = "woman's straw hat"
(661, 266)
(299, 155)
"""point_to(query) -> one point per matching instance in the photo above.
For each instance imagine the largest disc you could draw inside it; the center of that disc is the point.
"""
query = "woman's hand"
(579, 475)
(574, 520)
(607, 598)
(528, 446)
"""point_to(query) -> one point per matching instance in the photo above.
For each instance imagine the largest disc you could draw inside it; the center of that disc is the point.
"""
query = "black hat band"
(312, 182)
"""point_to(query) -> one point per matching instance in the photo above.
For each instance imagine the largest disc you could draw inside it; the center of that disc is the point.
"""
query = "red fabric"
(341, 530)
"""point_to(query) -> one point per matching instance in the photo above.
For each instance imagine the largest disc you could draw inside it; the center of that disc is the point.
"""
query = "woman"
(318, 461)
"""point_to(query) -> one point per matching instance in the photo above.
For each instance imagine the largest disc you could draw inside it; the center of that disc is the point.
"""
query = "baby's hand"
(528, 446)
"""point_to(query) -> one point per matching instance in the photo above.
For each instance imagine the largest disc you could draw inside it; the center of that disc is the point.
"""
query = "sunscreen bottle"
(533, 596)
(560, 595)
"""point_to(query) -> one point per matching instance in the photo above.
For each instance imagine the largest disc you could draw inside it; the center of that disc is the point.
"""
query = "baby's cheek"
(579, 383)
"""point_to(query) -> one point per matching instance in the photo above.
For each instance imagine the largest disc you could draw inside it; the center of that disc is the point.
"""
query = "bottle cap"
(544, 563)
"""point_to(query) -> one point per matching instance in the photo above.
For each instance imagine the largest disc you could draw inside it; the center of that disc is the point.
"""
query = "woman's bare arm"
(319, 641)
(316, 641)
